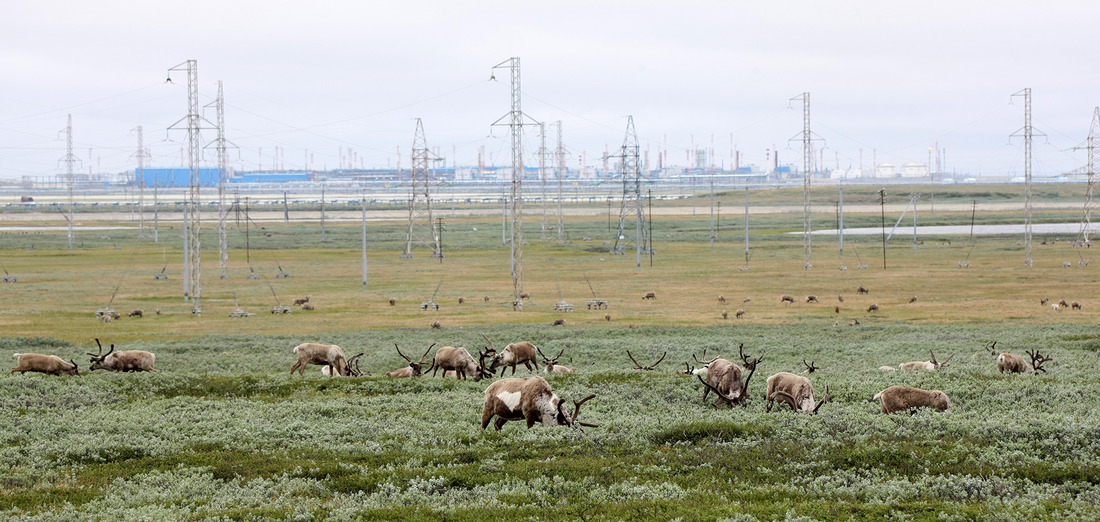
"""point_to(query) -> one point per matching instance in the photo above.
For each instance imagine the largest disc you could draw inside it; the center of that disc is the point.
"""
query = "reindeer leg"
(500, 423)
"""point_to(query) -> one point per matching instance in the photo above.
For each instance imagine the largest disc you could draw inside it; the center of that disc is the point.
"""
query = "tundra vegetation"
(222, 431)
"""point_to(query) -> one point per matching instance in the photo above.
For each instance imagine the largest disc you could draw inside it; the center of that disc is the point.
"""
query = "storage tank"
(886, 170)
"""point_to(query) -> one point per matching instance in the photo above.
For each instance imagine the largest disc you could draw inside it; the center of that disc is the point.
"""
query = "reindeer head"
(810, 368)
(98, 358)
(935, 364)
(550, 362)
(416, 366)
(482, 370)
(353, 367)
(638, 366)
(566, 419)
(991, 347)
(71, 371)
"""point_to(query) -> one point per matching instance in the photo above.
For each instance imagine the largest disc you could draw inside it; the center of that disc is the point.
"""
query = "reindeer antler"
(933, 357)
(1037, 360)
(577, 412)
(823, 399)
(491, 347)
(638, 366)
(810, 368)
(944, 363)
(100, 349)
(401, 354)
(425, 353)
(707, 363)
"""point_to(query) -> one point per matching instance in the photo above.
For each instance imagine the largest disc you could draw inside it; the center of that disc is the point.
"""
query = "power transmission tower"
(631, 210)
(1027, 133)
(561, 176)
(139, 179)
(223, 178)
(192, 287)
(70, 180)
(1092, 145)
(807, 161)
(515, 127)
(542, 173)
(420, 211)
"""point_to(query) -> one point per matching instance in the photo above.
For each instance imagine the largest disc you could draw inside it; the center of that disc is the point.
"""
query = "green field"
(223, 432)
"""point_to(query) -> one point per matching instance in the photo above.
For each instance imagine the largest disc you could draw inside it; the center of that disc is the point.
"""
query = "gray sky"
(890, 79)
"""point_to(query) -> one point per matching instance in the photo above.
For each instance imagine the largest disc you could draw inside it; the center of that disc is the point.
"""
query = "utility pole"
(542, 173)
(420, 212)
(631, 209)
(192, 251)
(223, 178)
(1092, 145)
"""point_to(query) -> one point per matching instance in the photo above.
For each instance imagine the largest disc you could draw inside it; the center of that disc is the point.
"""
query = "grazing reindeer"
(530, 399)
(794, 390)
(301, 301)
(925, 365)
(124, 361)
(1007, 362)
(353, 368)
(872, 308)
(558, 322)
(607, 317)
(811, 299)
(725, 314)
(740, 313)
(907, 398)
(649, 295)
(393, 301)
(912, 299)
(638, 366)
(459, 360)
(1043, 301)
(514, 354)
(551, 363)
(317, 353)
(437, 325)
(722, 299)
(1037, 361)
(413, 369)
(461, 300)
(1075, 305)
(141, 313)
(786, 299)
(728, 380)
(47, 364)
(862, 290)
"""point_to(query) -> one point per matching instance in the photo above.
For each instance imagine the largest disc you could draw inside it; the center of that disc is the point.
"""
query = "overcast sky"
(887, 80)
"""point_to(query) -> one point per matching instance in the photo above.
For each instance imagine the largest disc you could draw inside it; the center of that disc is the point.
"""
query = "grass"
(222, 432)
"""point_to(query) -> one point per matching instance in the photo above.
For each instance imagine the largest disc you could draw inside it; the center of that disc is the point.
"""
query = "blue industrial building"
(177, 177)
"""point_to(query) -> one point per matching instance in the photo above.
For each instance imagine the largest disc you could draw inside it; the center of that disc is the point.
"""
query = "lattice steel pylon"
(542, 173)
(220, 145)
(631, 211)
(561, 177)
(420, 201)
(1027, 133)
(70, 180)
(192, 287)
(139, 179)
(807, 161)
(515, 211)
(1092, 145)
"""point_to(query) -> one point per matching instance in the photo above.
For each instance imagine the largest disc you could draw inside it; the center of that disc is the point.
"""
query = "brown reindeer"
(727, 379)
(794, 390)
(47, 364)
(925, 365)
(459, 360)
(550, 365)
(413, 369)
(124, 361)
(907, 398)
(514, 354)
(530, 399)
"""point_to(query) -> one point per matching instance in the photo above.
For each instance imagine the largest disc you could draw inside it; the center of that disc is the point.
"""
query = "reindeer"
(461, 300)
(649, 295)
(514, 354)
(786, 299)
(638, 366)
(551, 363)
(317, 353)
(47, 364)
(811, 299)
(307, 307)
(301, 301)
(558, 322)
(722, 299)
(872, 308)
(725, 378)
(413, 369)
(1007, 361)
(912, 299)
(530, 399)
(353, 368)
(1075, 305)
(794, 390)
(925, 365)
(136, 313)
(725, 314)
(810, 368)
(461, 362)
(124, 361)
(740, 313)
(907, 398)
(862, 290)
(393, 301)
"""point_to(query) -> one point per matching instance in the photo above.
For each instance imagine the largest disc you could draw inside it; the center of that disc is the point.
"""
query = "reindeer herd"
(533, 400)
